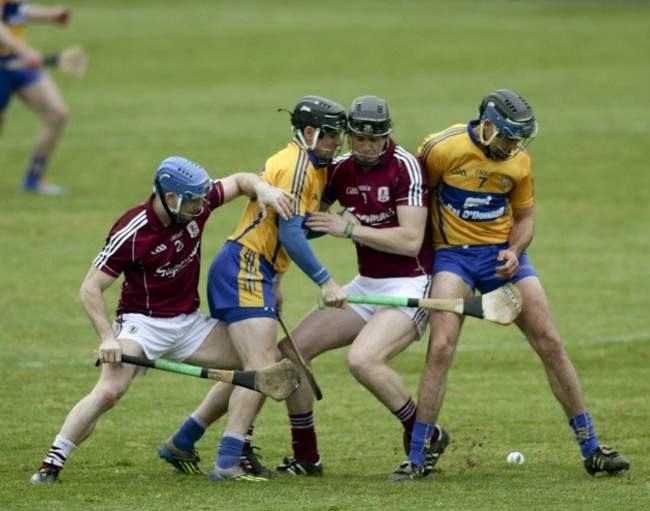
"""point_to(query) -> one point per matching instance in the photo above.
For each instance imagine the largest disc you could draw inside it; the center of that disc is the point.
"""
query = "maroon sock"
(406, 415)
(303, 437)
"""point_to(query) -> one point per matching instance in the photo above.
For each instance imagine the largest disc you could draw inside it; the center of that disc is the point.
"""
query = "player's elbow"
(411, 246)
(84, 292)
(283, 237)
(412, 250)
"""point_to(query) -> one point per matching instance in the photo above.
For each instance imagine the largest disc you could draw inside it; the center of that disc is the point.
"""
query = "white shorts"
(172, 338)
(406, 287)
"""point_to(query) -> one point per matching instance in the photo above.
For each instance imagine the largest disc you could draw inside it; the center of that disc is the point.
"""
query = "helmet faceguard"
(186, 180)
(369, 117)
(511, 117)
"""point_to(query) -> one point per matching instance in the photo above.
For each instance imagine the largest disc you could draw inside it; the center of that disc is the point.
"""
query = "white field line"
(487, 345)
(522, 344)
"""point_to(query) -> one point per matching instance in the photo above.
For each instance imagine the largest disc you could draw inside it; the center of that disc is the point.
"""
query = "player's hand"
(327, 222)
(60, 15)
(109, 352)
(271, 197)
(32, 59)
(510, 265)
(333, 294)
(279, 298)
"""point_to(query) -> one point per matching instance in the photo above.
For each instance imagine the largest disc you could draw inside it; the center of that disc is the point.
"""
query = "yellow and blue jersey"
(14, 16)
(473, 194)
(293, 170)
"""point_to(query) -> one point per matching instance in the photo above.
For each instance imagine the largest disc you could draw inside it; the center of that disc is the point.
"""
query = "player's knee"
(107, 396)
(57, 117)
(549, 346)
(359, 364)
(441, 351)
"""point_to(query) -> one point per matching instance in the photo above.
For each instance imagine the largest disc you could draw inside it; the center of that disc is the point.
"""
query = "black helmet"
(510, 113)
(319, 113)
(369, 116)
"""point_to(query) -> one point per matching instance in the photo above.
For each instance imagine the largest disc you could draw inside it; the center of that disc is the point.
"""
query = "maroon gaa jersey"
(161, 265)
(373, 196)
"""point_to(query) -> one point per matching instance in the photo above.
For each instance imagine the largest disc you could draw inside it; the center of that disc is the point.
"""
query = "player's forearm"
(404, 241)
(40, 13)
(243, 183)
(8, 39)
(298, 248)
(91, 295)
(94, 305)
(521, 234)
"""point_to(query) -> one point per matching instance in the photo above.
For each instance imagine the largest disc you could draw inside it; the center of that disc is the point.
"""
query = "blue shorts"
(240, 285)
(12, 80)
(476, 265)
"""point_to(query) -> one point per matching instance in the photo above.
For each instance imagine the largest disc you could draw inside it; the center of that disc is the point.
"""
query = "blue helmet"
(182, 177)
(510, 114)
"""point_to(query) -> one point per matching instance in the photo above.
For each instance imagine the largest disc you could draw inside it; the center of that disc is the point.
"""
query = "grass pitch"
(204, 79)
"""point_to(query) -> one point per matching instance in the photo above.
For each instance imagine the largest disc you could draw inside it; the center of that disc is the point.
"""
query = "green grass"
(204, 79)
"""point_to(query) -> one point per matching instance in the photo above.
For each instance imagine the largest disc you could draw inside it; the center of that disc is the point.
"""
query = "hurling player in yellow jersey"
(244, 278)
(32, 85)
(483, 218)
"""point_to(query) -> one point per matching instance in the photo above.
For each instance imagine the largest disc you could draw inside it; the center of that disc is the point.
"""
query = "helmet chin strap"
(378, 156)
(481, 134)
(314, 141)
(497, 155)
(317, 131)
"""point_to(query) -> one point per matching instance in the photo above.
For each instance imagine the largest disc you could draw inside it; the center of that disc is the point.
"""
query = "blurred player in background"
(483, 220)
(385, 195)
(32, 85)
(245, 276)
(156, 245)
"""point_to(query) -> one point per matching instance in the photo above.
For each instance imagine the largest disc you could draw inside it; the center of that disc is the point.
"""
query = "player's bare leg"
(45, 99)
(317, 332)
(537, 325)
(113, 383)
(217, 350)
(536, 322)
(255, 341)
(387, 334)
(445, 332)
(179, 450)
(429, 440)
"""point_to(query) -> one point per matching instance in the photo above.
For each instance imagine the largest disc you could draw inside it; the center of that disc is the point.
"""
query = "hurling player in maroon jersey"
(156, 246)
(385, 195)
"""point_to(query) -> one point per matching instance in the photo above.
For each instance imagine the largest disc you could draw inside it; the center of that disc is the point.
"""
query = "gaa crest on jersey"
(193, 229)
(505, 183)
(383, 195)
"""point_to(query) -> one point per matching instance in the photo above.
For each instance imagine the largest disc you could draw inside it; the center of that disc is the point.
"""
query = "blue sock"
(230, 449)
(35, 171)
(420, 441)
(188, 434)
(583, 428)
